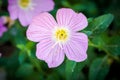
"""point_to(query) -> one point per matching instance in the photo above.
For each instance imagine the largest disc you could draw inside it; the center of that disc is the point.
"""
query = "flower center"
(61, 34)
(24, 3)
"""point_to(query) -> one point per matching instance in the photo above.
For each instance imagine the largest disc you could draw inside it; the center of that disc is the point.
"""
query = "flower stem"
(106, 51)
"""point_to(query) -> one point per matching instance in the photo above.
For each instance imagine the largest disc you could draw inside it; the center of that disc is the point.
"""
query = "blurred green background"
(18, 60)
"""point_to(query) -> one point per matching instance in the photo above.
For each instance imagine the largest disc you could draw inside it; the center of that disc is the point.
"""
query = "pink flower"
(2, 27)
(24, 10)
(57, 39)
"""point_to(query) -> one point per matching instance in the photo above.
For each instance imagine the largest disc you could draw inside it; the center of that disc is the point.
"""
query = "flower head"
(59, 38)
(2, 27)
(24, 10)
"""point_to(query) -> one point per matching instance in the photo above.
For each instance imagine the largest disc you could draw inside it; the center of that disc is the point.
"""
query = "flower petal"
(13, 9)
(44, 5)
(68, 18)
(79, 23)
(2, 29)
(25, 19)
(76, 48)
(53, 55)
(64, 16)
(41, 27)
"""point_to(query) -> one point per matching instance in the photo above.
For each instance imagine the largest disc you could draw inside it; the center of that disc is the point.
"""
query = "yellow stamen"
(24, 3)
(61, 34)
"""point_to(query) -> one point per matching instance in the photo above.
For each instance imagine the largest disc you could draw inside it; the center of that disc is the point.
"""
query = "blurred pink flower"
(2, 27)
(57, 39)
(24, 10)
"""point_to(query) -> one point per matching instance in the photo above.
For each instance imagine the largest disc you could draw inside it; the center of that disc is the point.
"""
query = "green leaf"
(17, 34)
(73, 69)
(99, 69)
(77, 74)
(70, 66)
(99, 41)
(53, 76)
(88, 33)
(22, 56)
(24, 70)
(99, 24)
(113, 45)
